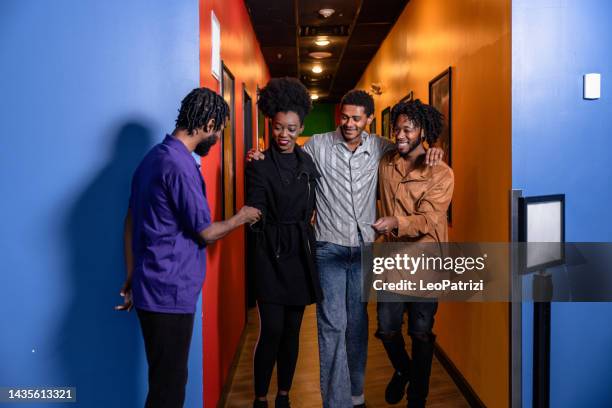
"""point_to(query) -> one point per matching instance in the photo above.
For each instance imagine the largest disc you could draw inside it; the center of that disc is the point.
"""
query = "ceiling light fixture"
(322, 42)
(320, 54)
(314, 97)
(326, 12)
(317, 69)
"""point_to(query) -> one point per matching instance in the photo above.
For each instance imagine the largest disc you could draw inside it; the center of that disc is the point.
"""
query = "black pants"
(420, 325)
(167, 337)
(279, 340)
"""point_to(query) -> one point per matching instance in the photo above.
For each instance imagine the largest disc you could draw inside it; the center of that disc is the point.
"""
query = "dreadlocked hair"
(284, 95)
(424, 116)
(199, 107)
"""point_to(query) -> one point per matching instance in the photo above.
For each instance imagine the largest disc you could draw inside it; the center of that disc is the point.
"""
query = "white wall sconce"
(592, 86)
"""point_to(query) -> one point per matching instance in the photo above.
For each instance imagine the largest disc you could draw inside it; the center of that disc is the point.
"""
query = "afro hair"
(424, 116)
(284, 95)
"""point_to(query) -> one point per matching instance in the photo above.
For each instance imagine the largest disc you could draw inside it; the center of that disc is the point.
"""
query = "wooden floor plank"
(305, 391)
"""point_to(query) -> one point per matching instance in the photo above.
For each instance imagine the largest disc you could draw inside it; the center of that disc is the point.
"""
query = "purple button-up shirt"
(169, 209)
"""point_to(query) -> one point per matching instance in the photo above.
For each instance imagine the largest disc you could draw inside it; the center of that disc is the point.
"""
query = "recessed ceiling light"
(326, 12)
(322, 42)
(314, 97)
(317, 69)
(320, 54)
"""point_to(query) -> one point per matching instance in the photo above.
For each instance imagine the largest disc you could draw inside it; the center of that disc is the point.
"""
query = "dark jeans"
(167, 337)
(278, 343)
(420, 325)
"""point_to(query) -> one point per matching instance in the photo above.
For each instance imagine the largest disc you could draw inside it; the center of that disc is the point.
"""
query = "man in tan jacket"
(414, 203)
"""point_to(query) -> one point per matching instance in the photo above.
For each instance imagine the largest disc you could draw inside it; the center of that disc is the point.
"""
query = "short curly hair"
(284, 95)
(199, 107)
(424, 116)
(358, 97)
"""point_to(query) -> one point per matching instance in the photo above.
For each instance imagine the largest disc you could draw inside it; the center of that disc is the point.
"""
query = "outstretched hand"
(254, 154)
(249, 215)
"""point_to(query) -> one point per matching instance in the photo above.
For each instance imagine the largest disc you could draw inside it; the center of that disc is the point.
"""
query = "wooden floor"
(305, 391)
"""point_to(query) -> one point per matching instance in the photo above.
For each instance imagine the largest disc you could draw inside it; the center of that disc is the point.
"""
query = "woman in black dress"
(282, 187)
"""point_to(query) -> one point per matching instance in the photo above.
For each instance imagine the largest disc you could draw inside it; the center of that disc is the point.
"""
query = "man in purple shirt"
(167, 228)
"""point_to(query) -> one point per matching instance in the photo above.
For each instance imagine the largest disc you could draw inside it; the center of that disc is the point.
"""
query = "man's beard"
(204, 147)
(412, 146)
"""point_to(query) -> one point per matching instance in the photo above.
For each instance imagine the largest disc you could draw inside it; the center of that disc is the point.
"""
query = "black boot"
(422, 357)
(260, 404)
(396, 351)
(282, 401)
(396, 389)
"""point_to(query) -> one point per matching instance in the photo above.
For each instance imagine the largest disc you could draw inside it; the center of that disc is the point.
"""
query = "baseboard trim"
(232, 371)
(466, 389)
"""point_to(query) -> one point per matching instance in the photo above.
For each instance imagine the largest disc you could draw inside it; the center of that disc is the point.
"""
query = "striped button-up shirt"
(346, 192)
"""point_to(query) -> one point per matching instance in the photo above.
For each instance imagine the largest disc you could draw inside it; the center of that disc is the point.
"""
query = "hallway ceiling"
(287, 31)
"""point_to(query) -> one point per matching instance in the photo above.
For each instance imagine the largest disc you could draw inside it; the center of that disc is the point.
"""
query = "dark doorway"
(249, 238)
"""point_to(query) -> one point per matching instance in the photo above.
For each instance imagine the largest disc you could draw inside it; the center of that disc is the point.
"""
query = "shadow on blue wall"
(102, 349)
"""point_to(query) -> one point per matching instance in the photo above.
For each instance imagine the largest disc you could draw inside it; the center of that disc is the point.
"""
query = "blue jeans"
(342, 321)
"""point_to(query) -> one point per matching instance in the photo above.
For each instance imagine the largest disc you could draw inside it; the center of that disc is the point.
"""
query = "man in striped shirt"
(347, 160)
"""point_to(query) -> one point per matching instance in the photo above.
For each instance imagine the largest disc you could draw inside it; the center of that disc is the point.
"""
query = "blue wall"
(563, 144)
(87, 88)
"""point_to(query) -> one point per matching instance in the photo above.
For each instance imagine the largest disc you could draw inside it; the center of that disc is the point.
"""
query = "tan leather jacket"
(419, 199)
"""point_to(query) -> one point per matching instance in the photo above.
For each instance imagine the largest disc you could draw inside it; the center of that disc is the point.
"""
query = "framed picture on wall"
(373, 126)
(409, 97)
(247, 117)
(440, 97)
(386, 123)
(261, 128)
(228, 150)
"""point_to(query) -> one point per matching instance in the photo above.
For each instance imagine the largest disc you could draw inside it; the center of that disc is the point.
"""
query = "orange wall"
(474, 38)
(224, 289)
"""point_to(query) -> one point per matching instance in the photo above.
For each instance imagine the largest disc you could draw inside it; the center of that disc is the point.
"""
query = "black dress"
(282, 186)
